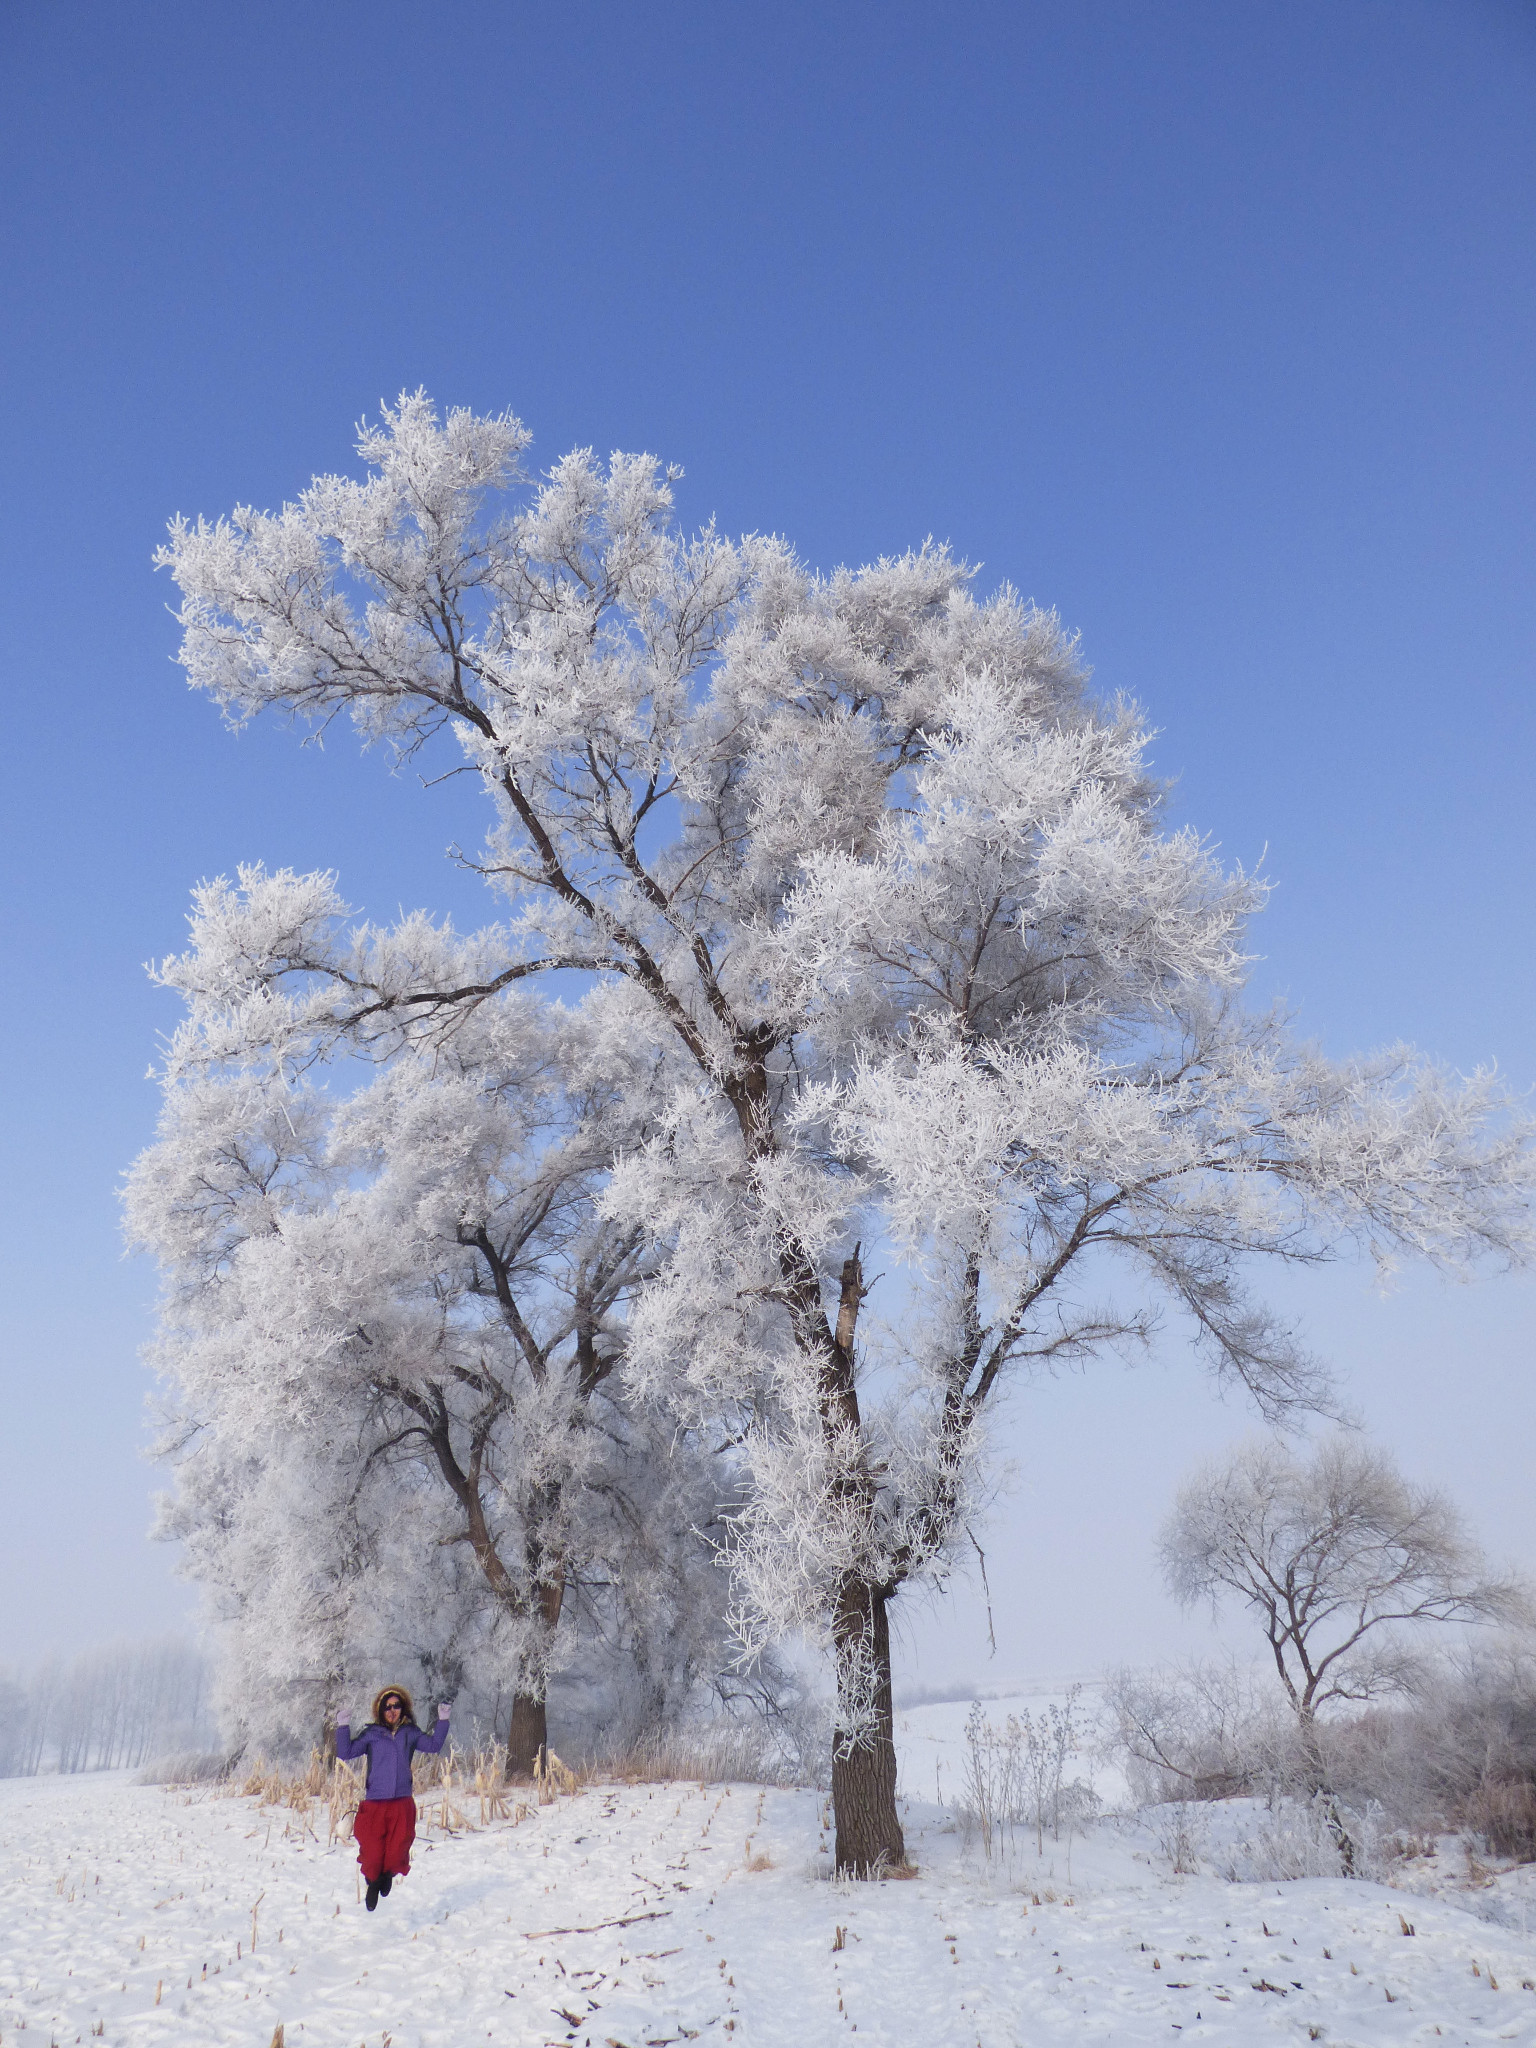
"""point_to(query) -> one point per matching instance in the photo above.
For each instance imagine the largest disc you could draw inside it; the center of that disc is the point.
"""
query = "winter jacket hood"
(393, 1692)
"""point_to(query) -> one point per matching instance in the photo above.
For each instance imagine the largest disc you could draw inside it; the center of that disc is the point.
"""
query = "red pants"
(384, 1831)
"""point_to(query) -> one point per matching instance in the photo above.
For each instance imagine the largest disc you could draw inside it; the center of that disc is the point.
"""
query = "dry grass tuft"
(1504, 1811)
(727, 1753)
(457, 1792)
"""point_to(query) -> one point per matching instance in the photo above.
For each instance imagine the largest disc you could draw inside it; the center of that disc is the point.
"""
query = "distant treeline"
(123, 1706)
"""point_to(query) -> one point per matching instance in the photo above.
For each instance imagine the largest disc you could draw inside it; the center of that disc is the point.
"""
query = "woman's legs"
(384, 1831)
(400, 1832)
(368, 1833)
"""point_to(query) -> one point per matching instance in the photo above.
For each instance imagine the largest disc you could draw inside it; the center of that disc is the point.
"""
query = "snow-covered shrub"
(1015, 1777)
(1183, 1830)
(1204, 1731)
(1287, 1838)
(1462, 1753)
(1458, 1755)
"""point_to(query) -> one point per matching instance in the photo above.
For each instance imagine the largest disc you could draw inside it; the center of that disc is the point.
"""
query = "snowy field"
(664, 1914)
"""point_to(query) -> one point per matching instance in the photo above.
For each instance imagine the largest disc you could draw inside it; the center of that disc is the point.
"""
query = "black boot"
(385, 1882)
(372, 1899)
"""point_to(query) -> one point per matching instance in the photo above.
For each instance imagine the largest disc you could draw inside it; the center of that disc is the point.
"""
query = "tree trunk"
(869, 1838)
(1320, 1787)
(527, 1734)
(1344, 1841)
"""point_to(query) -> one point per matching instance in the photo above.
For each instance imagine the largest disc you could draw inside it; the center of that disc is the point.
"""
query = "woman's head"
(392, 1708)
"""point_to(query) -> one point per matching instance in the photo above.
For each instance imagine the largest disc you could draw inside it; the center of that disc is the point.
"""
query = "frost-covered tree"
(1338, 1558)
(390, 1317)
(860, 852)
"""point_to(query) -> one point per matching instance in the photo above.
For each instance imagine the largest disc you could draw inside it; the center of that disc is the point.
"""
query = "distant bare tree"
(1336, 1555)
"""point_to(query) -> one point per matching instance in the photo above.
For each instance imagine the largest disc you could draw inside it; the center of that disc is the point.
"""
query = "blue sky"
(1210, 325)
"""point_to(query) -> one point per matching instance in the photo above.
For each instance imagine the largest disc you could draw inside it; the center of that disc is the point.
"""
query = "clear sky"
(1209, 324)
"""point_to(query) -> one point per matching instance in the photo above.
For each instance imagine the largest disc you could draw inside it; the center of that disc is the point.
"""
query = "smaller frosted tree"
(392, 1318)
(1336, 1556)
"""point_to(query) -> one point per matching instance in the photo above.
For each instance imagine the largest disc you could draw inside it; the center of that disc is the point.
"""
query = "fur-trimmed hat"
(393, 1692)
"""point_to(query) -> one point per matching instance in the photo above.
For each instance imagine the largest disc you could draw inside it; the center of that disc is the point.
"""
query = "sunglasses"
(393, 1707)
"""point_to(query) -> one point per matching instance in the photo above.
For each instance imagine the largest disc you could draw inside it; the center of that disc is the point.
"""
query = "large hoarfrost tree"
(860, 852)
(1339, 1559)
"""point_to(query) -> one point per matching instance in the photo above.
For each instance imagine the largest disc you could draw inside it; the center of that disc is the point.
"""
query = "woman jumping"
(385, 1826)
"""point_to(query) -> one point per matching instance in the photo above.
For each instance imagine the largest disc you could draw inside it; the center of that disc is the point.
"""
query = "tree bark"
(528, 1731)
(527, 1734)
(869, 1838)
(1344, 1841)
(1320, 1788)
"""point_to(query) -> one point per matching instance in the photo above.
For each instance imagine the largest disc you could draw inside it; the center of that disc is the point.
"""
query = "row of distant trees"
(120, 1707)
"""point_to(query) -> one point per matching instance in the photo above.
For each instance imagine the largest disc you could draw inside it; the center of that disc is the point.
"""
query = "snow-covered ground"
(663, 1914)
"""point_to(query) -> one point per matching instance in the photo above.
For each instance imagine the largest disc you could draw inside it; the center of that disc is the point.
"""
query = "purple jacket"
(389, 1755)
